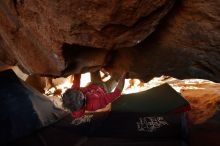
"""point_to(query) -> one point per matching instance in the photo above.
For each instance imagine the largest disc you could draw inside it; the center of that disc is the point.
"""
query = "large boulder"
(186, 44)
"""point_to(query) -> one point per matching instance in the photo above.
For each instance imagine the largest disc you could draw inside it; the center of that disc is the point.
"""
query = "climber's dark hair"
(73, 99)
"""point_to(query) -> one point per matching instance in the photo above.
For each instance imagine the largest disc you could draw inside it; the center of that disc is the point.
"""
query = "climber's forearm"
(76, 81)
(120, 85)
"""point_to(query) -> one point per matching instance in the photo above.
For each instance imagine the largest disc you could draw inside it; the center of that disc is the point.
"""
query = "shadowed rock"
(175, 38)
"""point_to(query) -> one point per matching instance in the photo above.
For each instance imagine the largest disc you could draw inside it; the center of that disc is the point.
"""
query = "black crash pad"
(158, 100)
(104, 129)
(135, 120)
(23, 109)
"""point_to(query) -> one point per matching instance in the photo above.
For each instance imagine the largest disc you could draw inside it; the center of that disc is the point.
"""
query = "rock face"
(186, 45)
(148, 38)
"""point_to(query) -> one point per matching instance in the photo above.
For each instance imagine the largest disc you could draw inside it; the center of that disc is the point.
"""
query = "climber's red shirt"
(96, 97)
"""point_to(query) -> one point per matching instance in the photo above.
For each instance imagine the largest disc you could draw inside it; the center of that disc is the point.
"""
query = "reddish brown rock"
(34, 31)
(186, 45)
(20, 46)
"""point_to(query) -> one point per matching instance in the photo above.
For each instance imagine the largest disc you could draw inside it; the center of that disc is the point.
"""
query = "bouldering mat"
(93, 132)
(158, 100)
(135, 120)
(23, 109)
(141, 126)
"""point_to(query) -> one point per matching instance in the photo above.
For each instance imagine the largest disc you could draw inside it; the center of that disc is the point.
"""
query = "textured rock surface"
(34, 31)
(184, 44)
(21, 46)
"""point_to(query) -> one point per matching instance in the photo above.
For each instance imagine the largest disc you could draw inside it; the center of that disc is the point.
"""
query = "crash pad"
(158, 100)
(108, 129)
(23, 109)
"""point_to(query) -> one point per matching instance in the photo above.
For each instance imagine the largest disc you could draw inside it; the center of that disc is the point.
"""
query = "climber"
(95, 96)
